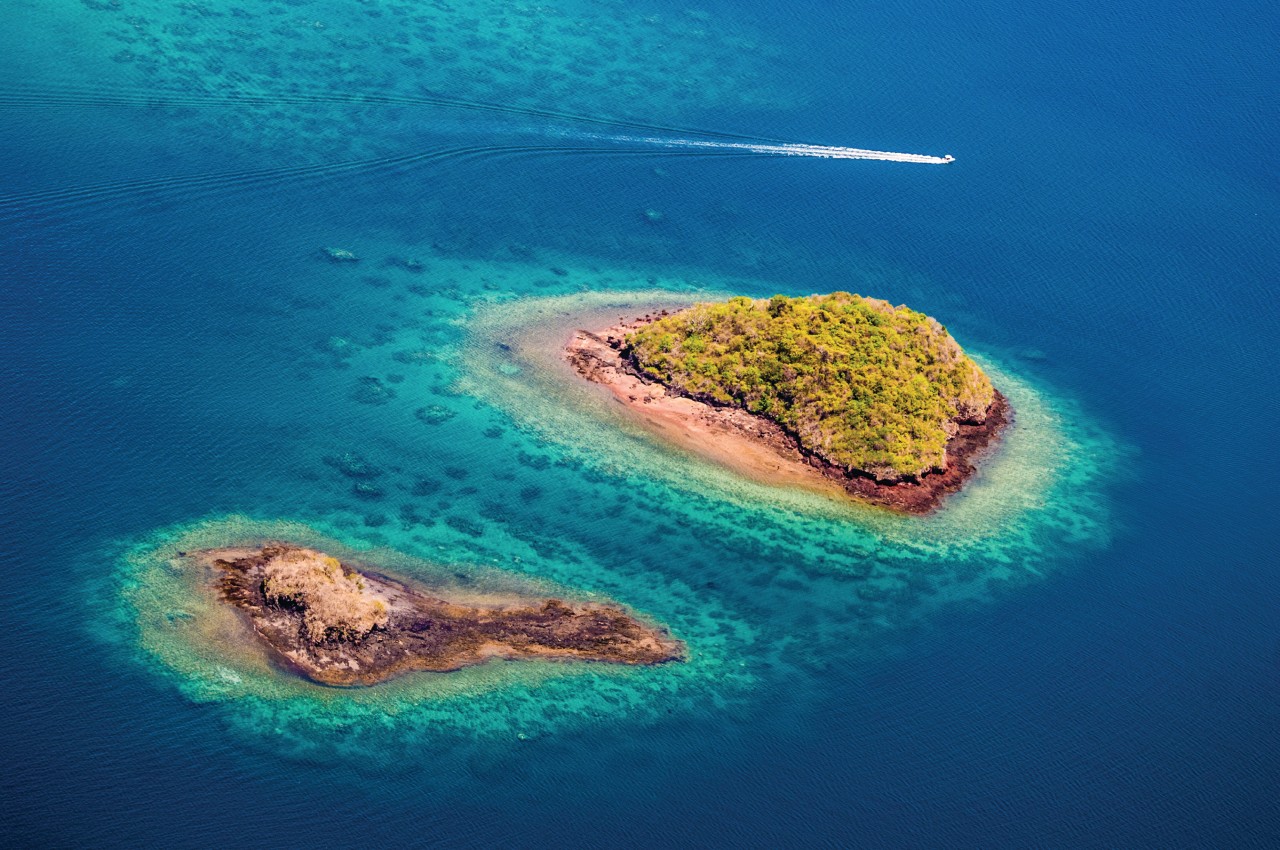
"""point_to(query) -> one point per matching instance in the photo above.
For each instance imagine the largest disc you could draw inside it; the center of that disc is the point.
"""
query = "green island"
(861, 385)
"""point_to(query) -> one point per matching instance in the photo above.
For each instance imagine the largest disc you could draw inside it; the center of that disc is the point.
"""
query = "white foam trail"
(783, 149)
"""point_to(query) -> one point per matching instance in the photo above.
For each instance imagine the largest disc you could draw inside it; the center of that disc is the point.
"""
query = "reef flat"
(900, 424)
(338, 625)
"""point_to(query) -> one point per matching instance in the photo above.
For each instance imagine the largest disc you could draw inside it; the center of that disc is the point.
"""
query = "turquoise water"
(1081, 650)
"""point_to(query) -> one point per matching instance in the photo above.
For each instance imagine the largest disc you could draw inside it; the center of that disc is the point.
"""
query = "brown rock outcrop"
(337, 625)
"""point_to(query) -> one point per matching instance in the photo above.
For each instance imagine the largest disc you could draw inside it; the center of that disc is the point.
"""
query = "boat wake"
(635, 139)
(781, 149)
(652, 134)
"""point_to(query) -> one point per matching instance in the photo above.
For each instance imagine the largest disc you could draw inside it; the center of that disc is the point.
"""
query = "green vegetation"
(860, 383)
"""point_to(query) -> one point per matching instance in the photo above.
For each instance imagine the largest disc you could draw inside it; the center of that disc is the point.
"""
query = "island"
(338, 625)
(835, 389)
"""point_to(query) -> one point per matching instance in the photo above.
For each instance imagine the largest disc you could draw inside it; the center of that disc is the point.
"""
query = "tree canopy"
(860, 383)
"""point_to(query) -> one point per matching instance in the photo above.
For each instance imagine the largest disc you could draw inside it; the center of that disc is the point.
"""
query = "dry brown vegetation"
(334, 603)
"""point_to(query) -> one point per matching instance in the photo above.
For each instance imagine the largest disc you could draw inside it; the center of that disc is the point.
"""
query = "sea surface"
(1083, 650)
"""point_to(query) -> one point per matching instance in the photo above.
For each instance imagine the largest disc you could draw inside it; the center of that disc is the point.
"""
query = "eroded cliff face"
(338, 625)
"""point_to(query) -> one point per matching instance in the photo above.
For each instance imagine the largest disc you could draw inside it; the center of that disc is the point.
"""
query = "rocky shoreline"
(337, 625)
(759, 447)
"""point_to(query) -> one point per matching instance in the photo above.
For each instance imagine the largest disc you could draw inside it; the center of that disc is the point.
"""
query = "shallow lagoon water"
(182, 352)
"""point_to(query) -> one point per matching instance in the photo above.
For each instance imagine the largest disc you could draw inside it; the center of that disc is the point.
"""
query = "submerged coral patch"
(354, 71)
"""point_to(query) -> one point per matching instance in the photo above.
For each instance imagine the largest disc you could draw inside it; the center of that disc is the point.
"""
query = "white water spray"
(781, 149)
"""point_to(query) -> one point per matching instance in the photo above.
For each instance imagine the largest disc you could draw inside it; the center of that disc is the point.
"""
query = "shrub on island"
(334, 602)
(859, 383)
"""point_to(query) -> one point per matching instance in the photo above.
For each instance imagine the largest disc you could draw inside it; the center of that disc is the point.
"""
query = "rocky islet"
(338, 625)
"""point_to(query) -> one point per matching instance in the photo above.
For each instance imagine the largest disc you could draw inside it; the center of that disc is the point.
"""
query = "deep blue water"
(1112, 213)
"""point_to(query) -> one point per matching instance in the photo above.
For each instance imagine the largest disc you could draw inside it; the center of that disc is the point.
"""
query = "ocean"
(1082, 650)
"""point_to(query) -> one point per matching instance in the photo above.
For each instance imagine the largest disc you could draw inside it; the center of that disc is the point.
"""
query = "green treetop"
(859, 382)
